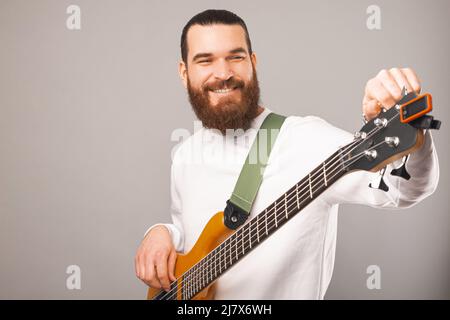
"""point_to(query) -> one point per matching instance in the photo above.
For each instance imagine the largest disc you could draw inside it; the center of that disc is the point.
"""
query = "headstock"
(391, 135)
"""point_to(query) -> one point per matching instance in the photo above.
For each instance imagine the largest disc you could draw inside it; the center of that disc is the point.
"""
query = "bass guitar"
(393, 134)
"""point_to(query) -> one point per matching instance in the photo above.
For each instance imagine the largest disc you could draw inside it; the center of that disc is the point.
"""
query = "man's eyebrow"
(201, 55)
(207, 54)
(238, 50)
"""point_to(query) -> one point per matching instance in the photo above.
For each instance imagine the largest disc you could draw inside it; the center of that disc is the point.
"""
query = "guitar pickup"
(415, 108)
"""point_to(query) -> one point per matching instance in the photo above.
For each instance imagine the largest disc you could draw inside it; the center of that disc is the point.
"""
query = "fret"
(186, 285)
(250, 235)
(187, 290)
(285, 206)
(243, 236)
(202, 279)
(183, 289)
(325, 174)
(194, 280)
(207, 263)
(265, 215)
(225, 254)
(222, 253)
(310, 187)
(198, 279)
(231, 254)
(296, 193)
(235, 236)
(200, 276)
(257, 228)
(214, 265)
(275, 208)
(220, 265)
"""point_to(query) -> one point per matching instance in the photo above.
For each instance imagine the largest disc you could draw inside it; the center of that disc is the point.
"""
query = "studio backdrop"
(90, 98)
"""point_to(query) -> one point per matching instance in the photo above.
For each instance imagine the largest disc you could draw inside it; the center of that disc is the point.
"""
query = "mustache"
(231, 83)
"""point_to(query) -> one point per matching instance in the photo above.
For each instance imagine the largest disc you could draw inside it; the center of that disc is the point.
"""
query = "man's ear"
(182, 70)
(254, 60)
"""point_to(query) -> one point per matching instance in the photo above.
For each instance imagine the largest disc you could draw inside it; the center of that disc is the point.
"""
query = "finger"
(388, 81)
(150, 277)
(136, 266)
(400, 78)
(171, 265)
(376, 90)
(370, 109)
(412, 79)
(162, 273)
(146, 270)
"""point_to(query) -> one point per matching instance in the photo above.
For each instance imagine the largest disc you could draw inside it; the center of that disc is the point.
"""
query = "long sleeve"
(423, 167)
(176, 227)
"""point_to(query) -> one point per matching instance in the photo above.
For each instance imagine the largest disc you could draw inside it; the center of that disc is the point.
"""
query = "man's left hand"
(385, 89)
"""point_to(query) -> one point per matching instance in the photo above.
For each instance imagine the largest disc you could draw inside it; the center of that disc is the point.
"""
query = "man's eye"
(204, 61)
(237, 58)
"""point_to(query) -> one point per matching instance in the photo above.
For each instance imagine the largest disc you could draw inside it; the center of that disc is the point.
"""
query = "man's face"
(220, 76)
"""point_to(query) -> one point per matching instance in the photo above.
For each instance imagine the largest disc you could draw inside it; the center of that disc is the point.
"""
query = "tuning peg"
(379, 182)
(360, 135)
(380, 122)
(404, 91)
(401, 171)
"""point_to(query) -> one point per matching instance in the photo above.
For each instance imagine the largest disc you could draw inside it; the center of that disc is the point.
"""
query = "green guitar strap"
(241, 201)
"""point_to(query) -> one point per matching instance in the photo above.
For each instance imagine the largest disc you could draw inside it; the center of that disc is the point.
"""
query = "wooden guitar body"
(212, 235)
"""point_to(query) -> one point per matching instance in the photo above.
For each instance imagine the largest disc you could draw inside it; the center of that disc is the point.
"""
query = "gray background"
(86, 119)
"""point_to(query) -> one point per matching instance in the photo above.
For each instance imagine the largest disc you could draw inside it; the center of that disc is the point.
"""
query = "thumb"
(371, 108)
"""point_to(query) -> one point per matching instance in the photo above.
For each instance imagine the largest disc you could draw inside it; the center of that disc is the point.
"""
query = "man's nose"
(222, 70)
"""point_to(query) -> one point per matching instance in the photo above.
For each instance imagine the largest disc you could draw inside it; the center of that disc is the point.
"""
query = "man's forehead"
(216, 38)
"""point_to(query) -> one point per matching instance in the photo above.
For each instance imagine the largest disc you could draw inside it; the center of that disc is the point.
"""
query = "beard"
(228, 112)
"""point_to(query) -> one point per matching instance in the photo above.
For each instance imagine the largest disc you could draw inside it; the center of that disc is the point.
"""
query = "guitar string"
(194, 276)
(251, 236)
(204, 263)
(317, 174)
(194, 279)
(243, 234)
(191, 278)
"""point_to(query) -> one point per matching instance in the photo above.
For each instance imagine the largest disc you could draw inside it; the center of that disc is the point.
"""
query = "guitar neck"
(259, 228)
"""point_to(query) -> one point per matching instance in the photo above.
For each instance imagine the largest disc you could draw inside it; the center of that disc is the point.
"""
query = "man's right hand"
(155, 259)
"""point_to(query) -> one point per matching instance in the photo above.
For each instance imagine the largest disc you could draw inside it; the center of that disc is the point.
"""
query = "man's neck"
(260, 110)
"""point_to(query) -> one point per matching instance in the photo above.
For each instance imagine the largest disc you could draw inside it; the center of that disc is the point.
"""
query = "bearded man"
(218, 70)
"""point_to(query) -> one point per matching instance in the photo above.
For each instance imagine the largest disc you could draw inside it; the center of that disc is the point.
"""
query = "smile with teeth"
(223, 91)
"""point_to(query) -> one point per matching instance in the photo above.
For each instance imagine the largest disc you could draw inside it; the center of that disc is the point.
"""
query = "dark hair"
(210, 17)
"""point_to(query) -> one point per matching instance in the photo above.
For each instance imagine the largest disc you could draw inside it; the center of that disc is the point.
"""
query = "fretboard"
(259, 228)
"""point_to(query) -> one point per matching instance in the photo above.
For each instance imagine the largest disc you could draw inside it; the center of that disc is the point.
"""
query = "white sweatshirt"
(296, 262)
